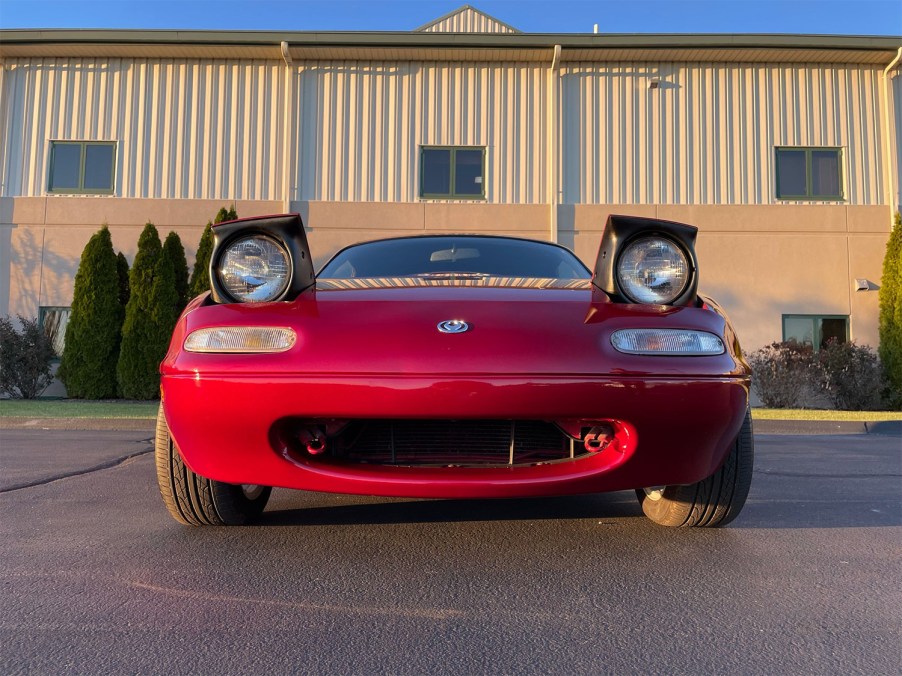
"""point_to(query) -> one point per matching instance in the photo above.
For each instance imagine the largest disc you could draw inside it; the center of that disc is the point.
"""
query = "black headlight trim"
(286, 230)
(620, 231)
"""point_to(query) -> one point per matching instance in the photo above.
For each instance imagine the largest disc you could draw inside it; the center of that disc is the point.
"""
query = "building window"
(82, 167)
(809, 174)
(54, 321)
(452, 173)
(816, 330)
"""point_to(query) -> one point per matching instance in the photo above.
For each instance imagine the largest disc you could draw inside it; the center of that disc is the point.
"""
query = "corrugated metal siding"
(204, 129)
(361, 126)
(467, 21)
(198, 129)
(707, 134)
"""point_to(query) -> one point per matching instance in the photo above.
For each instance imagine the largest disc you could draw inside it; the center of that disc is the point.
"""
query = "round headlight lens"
(254, 269)
(653, 270)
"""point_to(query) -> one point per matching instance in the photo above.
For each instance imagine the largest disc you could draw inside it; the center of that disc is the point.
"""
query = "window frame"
(808, 150)
(817, 331)
(81, 190)
(452, 195)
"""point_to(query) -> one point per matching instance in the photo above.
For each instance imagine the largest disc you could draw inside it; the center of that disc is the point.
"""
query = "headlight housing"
(653, 270)
(254, 268)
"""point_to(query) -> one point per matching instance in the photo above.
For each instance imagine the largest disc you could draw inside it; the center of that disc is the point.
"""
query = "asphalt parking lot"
(96, 578)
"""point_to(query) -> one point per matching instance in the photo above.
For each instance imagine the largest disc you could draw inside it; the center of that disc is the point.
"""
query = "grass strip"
(817, 414)
(77, 408)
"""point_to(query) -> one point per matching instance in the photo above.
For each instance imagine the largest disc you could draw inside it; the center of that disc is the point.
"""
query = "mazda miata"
(454, 366)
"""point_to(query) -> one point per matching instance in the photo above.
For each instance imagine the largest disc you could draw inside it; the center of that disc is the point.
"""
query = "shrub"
(88, 365)
(224, 214)
(24, 358)
(149, 318)
(122, 269)
(782, 373)
(200, 275)
(851, 376)
(173, 248)
(891, 313)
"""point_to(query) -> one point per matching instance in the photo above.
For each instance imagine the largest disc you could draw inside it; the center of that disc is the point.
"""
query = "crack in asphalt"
(115, 462)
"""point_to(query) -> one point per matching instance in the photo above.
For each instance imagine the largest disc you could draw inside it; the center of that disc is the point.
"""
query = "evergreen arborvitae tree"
(200, 275)
(226, 215)
(122, 269)
(149, 319)
(173, 248)
(88, 365)
(891, 312)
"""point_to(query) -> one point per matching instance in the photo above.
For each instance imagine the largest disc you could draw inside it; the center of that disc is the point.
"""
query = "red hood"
(512, 331)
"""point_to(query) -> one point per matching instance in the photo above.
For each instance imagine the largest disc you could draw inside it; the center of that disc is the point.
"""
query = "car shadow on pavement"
(397, 511)
(846, 511)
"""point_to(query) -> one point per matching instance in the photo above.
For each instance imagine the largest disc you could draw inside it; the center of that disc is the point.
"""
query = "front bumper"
(683, 428)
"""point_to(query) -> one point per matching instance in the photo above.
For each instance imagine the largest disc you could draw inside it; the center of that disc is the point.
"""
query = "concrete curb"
(98, 424)
(891, 428)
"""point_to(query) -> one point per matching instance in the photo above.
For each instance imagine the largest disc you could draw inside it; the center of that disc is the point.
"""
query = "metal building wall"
(203, 129)
(187, 129)
(707, 134)
(361, 126)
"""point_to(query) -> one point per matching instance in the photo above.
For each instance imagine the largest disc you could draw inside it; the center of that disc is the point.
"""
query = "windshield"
(455, 255)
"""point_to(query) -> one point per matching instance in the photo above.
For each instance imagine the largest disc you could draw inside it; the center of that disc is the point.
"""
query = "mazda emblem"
(453, 326)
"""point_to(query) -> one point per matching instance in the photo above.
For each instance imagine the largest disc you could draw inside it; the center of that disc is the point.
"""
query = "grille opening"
(426, 442)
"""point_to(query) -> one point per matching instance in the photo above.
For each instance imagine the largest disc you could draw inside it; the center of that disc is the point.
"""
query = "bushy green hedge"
(88, 365)
(122, 269)
(149, 318)
(200, 275)
(891, 313)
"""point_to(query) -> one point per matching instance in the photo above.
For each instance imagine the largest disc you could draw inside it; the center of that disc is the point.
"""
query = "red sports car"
(454, 366)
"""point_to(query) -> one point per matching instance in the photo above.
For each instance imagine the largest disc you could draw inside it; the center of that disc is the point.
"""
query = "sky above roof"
(839, 17)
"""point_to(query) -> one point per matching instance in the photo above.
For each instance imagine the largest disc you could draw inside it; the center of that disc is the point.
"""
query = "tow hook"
(314, 441)
(598, 438)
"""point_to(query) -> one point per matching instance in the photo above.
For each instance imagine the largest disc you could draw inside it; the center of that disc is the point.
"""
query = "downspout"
(287, 145)
(551, 146)
(888, 155)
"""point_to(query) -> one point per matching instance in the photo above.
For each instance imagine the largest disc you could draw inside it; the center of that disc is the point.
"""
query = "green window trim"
(80, 188)
(452, 194)
(809, 195)
(817, 327)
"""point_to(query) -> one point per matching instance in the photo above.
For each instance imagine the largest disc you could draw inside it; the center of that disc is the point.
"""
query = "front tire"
(194, 500)
(711, 502)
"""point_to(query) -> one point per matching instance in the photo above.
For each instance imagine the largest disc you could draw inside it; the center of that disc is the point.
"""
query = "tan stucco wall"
(759, 262)
(41, 239)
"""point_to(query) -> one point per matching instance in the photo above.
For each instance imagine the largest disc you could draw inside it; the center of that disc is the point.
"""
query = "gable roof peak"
(466, 19)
